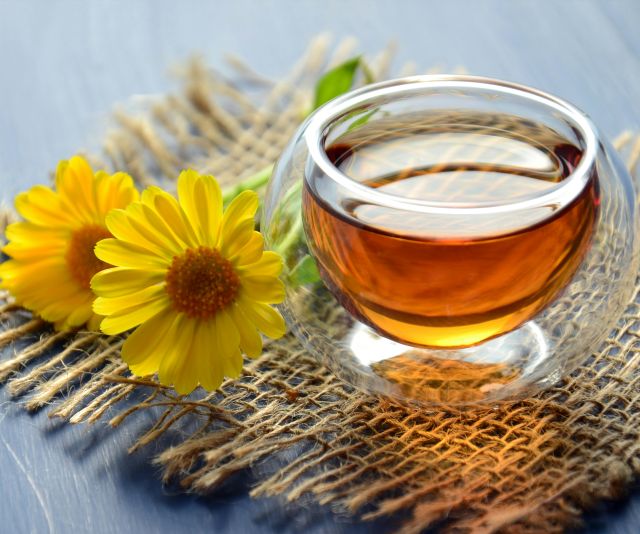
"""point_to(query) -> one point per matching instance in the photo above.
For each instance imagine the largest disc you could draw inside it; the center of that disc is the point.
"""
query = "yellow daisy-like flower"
(193, 279)
(52, 259)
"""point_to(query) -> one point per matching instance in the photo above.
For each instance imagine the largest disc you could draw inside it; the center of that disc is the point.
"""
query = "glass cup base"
(511, 366)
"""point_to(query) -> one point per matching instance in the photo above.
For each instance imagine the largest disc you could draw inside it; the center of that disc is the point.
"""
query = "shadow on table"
(100, 454)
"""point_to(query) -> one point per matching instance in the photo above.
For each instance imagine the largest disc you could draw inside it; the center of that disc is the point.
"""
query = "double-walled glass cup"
(452, 239)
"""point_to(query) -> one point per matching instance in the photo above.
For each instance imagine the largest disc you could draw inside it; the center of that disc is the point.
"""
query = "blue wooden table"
(64, 64)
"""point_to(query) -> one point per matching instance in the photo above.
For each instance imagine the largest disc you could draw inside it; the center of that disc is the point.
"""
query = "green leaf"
(336, 82)
(362, 120)
(305, 272)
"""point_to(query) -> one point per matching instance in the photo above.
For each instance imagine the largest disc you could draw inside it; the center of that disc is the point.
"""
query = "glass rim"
(562, 194)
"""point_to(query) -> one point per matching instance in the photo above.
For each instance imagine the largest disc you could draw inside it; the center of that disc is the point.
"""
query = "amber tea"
(455, 283)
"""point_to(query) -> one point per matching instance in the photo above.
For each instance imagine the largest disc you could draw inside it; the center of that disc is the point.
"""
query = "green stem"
(291, 239)
(253, 182)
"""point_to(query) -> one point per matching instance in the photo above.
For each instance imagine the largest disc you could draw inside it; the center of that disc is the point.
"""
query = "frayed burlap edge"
(531, 466)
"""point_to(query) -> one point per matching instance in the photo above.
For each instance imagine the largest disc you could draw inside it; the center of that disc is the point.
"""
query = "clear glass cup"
(451, 239)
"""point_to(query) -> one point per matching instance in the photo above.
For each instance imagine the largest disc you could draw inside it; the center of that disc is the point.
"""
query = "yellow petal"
(34, 252)
(33, 234)
(61, 169)
(269, 265)
(80, 315)
(42, 206)
(113, 305)
(74, 174)
(210, 203)
(31, 271)
(75, 185)
(201, 199)
(250, 252)
(186, 183)
(174, 367)
(226, 342)
(250, 340)
(60, 311)
(208, 366)
(240, 209)
(59, 285)
(53, 309)
(185, 374)
(114, 191)
(237, 239)
(132, 317)
(263, 288)
(105, 191)
(159, 227)
(119, 281)
(226, 329)
(267, 319)
(169, 209)
(232, 366)
(144, 348)
(120, 225)
(123, 254)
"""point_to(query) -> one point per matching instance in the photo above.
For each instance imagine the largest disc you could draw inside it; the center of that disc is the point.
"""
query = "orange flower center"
(81, 258)
(201, 282)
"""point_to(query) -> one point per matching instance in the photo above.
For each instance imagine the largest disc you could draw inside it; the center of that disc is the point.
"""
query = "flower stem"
(291, 238)
(253, 182)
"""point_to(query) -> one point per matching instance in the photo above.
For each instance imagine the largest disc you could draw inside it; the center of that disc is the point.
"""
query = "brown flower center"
(81, 258)
(201, 282)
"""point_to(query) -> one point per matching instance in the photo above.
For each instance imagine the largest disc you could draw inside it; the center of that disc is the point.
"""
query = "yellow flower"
(52, 250)
(194, 280)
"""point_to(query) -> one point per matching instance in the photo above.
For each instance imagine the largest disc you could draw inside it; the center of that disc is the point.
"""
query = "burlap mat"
(528, 466)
